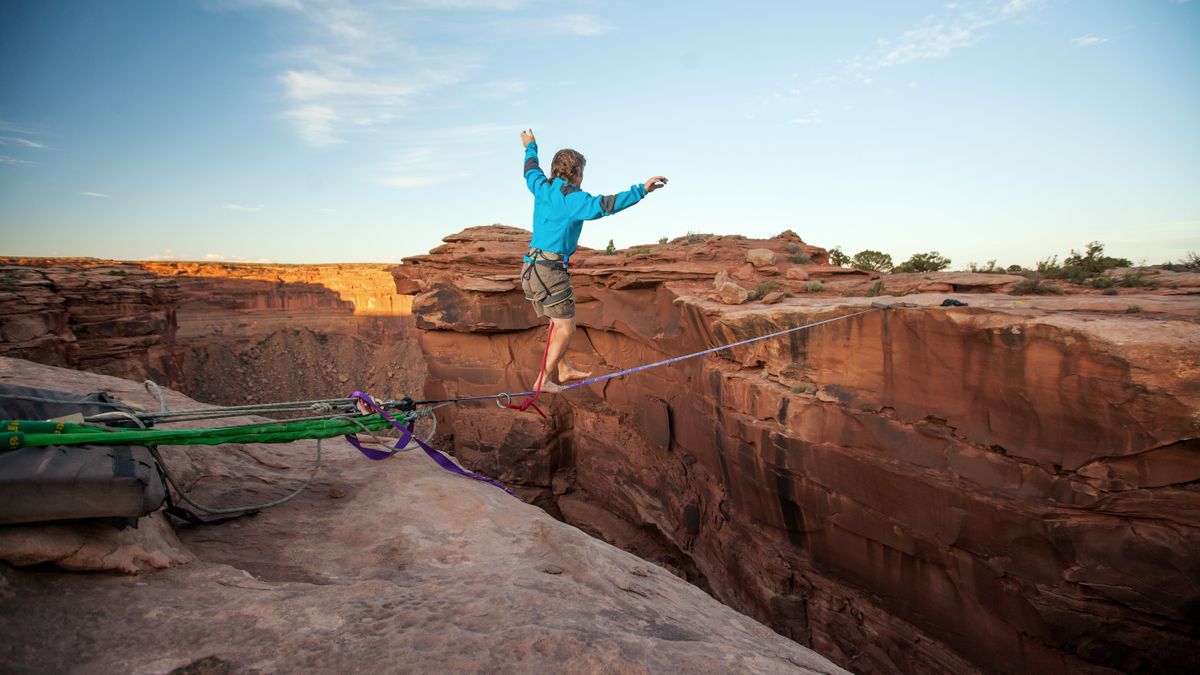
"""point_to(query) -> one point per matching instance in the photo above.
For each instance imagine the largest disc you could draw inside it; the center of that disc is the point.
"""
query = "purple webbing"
(406, 435)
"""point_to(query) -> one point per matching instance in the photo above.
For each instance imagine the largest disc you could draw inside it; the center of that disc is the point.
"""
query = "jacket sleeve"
(591, 207)
(534, 177)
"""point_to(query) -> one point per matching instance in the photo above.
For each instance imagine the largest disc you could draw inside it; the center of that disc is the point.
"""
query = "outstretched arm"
(534, 177)
(591, 207)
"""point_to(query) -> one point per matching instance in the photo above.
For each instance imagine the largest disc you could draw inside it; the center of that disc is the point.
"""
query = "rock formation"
(1009, 486)
(391, 566)
(224, 332)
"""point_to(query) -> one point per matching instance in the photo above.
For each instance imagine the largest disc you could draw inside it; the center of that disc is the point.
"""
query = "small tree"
(610, 248)
(924, 262)
(874, 261)
(837, 257)
(1092, 261)
(662, 240)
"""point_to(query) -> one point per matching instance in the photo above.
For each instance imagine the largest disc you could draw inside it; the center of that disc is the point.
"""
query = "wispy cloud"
(957, 26)
(362, 68)
(1088, 40)
(98, 195)
(13, 161)
(221, 257)
(242, 209)
(13, 140)
(813, 117)
(412, 182)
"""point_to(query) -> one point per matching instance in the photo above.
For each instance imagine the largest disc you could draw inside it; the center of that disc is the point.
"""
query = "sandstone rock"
(732, 294)
(796, 274)
(744, 273)
(772, 298)
(760, 257)
(974, 470)
(413, 569)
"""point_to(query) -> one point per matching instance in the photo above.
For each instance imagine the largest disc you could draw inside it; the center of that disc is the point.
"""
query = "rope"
(656, 364)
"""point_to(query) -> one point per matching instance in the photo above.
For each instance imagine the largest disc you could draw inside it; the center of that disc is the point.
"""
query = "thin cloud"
(813, 117)
(13, 140)
(242, 209)
(1088, 40)
(13, 161)
(413, 182)
(98, 195)
(959, 25)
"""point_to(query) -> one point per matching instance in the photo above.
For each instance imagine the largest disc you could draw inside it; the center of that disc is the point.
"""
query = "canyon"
(1008, 486)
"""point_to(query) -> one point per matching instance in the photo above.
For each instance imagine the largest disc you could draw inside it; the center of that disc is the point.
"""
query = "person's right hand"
(656, 182)
(527, 138)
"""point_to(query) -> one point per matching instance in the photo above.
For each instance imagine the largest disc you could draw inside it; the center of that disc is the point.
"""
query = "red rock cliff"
(1006, 487)
(223, 332)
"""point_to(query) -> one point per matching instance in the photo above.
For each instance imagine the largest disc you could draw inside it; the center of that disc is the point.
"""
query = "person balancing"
(559, 208)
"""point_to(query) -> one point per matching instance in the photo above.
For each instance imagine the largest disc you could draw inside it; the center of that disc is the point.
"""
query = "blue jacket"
(560, 208)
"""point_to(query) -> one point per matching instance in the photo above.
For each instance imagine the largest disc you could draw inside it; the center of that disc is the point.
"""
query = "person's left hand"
(527, 138)
(655, 183)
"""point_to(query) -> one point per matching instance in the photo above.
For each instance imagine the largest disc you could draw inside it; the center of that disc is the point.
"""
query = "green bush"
(611, 248)
(641, 250)
(1092, 261)
(876, 289)
(872, 261)
(924, 262)
(1134, 280)
(662, 240)
(1133, 309)
(794, 248)
(990, 268)
(800, 258)
(761, 291)
(1102, 282)
(814, 286)
(837, 257)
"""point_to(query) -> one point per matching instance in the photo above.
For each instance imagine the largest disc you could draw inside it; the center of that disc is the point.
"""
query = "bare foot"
(567, 374)
(551, 387)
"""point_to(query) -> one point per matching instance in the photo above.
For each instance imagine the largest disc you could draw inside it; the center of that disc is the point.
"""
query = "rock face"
(1007, 487)
(376, 567)
(225, 333)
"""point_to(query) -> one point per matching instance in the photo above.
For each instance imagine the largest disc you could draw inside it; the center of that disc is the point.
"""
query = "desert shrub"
(805, 388)
(662, 240)
(1015, 269)
(694, 237)
(737, 236)
(1102, 282)
(761, 291)
(838, 257)
(611, 248)
(1188, 263)
(641, 250)
(1133, 309)
(793, 248)
(1048, 266)
(1109, 291)
(800, 258)
(118, 273)
(872, 261)
(1134, 280)
(1091, 262)
(876, 289)
(814, 286)
(8, 280)
(990, 268)
(1051, 289)
(924, 262)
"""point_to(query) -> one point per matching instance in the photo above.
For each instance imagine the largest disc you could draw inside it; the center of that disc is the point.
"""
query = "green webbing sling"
(28, 433)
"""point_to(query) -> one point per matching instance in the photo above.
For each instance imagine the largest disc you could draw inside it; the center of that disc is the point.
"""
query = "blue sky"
(331, 130)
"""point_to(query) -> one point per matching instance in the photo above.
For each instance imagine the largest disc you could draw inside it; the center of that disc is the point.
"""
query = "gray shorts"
(548, 287)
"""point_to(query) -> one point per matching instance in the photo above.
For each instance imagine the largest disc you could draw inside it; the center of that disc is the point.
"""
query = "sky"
(310, 131)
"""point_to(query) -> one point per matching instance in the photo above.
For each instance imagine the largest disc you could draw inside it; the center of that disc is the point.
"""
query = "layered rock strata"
(1010, 486)
(224, 332)
(391, 566)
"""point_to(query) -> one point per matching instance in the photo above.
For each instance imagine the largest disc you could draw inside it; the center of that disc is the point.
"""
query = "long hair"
(568, 164)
